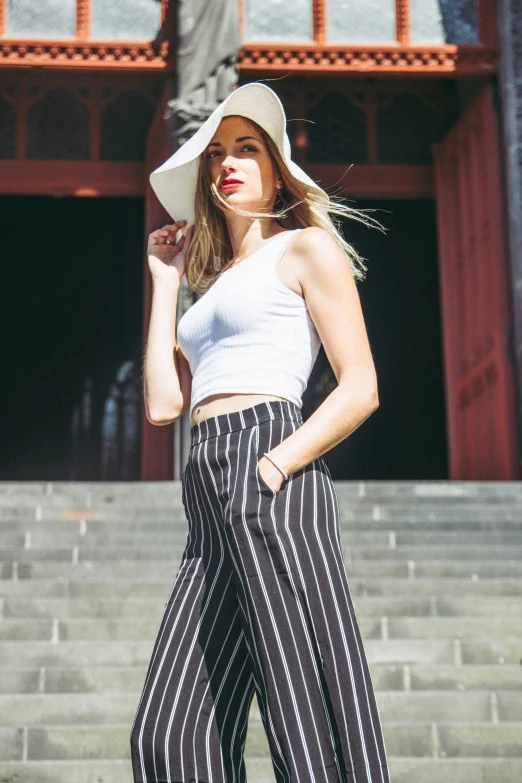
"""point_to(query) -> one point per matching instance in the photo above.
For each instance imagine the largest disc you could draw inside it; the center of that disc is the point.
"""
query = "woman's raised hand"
(165, 256)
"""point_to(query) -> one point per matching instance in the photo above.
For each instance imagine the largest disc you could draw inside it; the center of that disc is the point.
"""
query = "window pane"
(277, 20)
(337, 132)
(353, 21)
(444, 21)
(125, 124)
(45, 17)
(407, 129)
(58, 127)
(7, 130)
(135, 19)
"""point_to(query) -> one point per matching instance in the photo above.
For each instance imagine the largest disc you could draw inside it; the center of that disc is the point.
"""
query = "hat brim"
(175, 181)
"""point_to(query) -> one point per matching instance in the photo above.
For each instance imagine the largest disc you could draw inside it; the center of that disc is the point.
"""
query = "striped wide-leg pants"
(260, 604)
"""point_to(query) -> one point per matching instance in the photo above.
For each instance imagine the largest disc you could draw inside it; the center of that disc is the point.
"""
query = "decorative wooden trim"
(23, 88)
(402, 21)
(319, 21)
(92, 54)
(135, 55)
(451, 58)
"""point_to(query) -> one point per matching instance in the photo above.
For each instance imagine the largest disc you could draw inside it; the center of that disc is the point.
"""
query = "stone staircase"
(435, 570)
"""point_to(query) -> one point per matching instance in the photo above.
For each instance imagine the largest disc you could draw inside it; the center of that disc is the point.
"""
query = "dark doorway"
(405, 438)
(72, 270)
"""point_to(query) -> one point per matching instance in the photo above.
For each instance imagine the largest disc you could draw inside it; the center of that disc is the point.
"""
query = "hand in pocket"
(269, 474)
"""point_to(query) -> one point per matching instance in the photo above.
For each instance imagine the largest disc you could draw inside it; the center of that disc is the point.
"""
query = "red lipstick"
(230, 183)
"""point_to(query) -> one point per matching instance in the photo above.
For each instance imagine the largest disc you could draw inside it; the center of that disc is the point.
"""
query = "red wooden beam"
(365, 180)
(487, 21)
(319, 21)
(83, 19)
(72, 177)
(402, 21)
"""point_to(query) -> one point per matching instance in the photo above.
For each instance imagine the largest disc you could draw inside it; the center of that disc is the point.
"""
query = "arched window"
(337, 133)
(58, 127)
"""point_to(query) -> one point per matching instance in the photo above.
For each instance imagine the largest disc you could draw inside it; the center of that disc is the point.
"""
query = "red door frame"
(157, 443)
(480, 394)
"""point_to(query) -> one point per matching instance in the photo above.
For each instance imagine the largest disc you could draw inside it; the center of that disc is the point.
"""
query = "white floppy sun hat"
(174, 182)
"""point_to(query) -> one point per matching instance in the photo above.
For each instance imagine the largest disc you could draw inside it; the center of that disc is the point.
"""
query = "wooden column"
(476, 316)
(157, 454)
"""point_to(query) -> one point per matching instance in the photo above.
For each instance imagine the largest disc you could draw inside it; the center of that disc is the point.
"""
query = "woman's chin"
(237, 201)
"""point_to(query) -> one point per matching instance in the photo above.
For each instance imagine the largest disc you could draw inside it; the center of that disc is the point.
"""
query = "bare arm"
(333, 302)
(162, 384)
(164, 368)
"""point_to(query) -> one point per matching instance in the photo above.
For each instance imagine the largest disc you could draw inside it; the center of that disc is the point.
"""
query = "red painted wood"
(366, 180)
(480, 382)
(70, 177)
(402, 21)
(157, 454)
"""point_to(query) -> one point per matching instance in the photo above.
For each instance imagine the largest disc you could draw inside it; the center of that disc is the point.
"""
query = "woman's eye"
(246, 148)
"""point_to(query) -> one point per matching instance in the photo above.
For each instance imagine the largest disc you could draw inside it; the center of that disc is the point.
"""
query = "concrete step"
(35, 536)
(86, 742)
(145, 625)
(463, 591)
(260, 770)
(435, 573)
(84, 552)
(351, 516)
(78, 570)
(114, 707)
(70, 678)
(142, 509)
(390, 651)
(418, 489)
(170, 524)
(14, 606)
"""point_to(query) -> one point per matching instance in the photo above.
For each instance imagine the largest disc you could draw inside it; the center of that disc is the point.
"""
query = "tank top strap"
(274, 254)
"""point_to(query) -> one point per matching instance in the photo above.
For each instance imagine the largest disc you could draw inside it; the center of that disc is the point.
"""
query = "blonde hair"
(210, 251)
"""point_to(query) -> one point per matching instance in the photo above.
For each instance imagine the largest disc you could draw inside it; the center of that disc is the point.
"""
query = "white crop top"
(249, 332)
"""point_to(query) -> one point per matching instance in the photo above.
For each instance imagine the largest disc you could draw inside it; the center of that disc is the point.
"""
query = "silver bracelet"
(276, 465)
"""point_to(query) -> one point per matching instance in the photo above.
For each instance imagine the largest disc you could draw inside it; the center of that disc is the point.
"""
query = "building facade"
(407, 108)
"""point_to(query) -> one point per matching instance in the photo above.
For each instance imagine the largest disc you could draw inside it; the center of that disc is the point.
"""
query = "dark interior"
(72, 275)
(405, 438)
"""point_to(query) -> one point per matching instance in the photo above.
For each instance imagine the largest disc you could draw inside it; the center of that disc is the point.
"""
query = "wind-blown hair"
(210, 251)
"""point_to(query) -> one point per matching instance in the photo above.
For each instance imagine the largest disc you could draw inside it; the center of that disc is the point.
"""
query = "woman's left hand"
(270, 474)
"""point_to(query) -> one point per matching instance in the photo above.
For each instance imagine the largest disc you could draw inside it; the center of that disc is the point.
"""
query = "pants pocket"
(263, 442)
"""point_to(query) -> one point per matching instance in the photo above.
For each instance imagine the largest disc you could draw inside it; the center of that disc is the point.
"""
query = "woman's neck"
(247, 234)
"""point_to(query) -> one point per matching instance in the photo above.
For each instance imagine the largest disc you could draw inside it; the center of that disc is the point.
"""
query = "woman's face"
(240, 165)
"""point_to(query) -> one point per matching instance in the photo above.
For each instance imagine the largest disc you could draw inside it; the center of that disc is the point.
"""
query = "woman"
(260, 601)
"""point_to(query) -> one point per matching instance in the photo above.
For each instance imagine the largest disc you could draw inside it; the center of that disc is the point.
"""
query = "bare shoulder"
(313, 241)
(319, 256)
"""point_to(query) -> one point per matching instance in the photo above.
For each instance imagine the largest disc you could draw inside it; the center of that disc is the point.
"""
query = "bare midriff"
(216, 404)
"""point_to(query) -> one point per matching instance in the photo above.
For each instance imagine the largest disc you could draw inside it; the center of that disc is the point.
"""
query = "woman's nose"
(228, 163)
